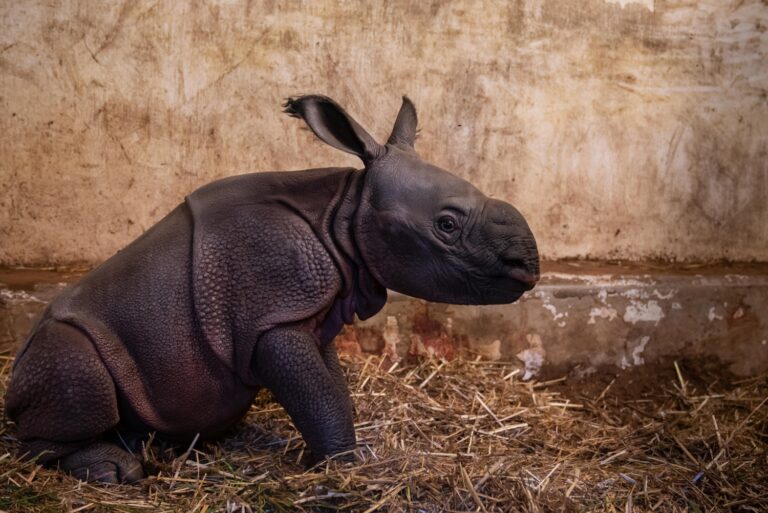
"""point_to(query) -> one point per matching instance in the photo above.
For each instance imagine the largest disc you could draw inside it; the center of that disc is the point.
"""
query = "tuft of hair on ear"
(292, 107)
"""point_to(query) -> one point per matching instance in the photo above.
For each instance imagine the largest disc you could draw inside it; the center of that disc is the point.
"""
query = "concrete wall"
(581, 318)
(622, 129)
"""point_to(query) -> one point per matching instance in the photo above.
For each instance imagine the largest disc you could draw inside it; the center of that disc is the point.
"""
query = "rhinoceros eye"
(447, 224)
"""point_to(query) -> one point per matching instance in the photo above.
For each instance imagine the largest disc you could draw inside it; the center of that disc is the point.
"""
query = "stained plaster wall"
(621, 129)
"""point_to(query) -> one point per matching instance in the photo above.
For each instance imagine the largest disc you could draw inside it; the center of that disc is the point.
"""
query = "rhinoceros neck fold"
(270, 249)
(361, 293)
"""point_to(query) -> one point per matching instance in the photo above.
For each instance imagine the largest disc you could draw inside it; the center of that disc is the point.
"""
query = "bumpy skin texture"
(161, 336)
(289, 363)
(60, 378)
(245, 285)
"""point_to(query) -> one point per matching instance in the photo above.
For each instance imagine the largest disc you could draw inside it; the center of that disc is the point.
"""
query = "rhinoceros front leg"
(289, 363)
(331, 360)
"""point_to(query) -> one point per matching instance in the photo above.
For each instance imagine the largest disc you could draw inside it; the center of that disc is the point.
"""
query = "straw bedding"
(465, 435)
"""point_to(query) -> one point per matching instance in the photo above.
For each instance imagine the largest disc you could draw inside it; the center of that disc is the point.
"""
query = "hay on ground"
(464, 435)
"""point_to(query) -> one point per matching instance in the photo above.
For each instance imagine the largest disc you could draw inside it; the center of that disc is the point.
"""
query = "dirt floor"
(462, 436)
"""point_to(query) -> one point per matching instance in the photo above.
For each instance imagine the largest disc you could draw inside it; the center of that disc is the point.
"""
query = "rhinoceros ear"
(333, 125)
(404, 131)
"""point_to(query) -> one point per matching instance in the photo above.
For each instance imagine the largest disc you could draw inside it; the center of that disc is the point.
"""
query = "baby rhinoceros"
(244, 285)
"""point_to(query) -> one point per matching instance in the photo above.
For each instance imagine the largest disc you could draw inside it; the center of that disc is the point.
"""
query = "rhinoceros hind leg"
(87, 461)
(63, 401)
(104, 462)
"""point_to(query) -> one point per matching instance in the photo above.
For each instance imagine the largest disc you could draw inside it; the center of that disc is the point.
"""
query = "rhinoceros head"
(421, 230)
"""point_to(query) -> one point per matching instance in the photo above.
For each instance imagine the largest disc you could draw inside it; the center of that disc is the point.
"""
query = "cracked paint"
(638, 311)
(603, 312)
(19, 295)
(533, 357)
(636, 354)
(668, 295)
(391, 336)
(712, 315)
(635, 294)
(603, 280)
(556, 316)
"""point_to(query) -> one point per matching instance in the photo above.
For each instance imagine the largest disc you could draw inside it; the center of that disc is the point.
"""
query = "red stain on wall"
(430, 337)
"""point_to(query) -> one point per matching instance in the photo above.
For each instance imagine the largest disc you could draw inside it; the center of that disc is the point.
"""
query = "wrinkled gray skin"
(245, 285)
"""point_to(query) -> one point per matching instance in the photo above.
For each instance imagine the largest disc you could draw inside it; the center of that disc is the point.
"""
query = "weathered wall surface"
(580, 318)
(621, 129)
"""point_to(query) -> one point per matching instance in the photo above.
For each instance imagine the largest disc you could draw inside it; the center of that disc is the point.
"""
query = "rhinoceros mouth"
(518, 270)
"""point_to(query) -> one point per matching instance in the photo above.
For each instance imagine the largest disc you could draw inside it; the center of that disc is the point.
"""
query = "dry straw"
(461, 436)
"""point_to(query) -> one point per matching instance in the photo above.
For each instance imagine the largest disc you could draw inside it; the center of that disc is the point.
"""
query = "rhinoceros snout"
(513, 241)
